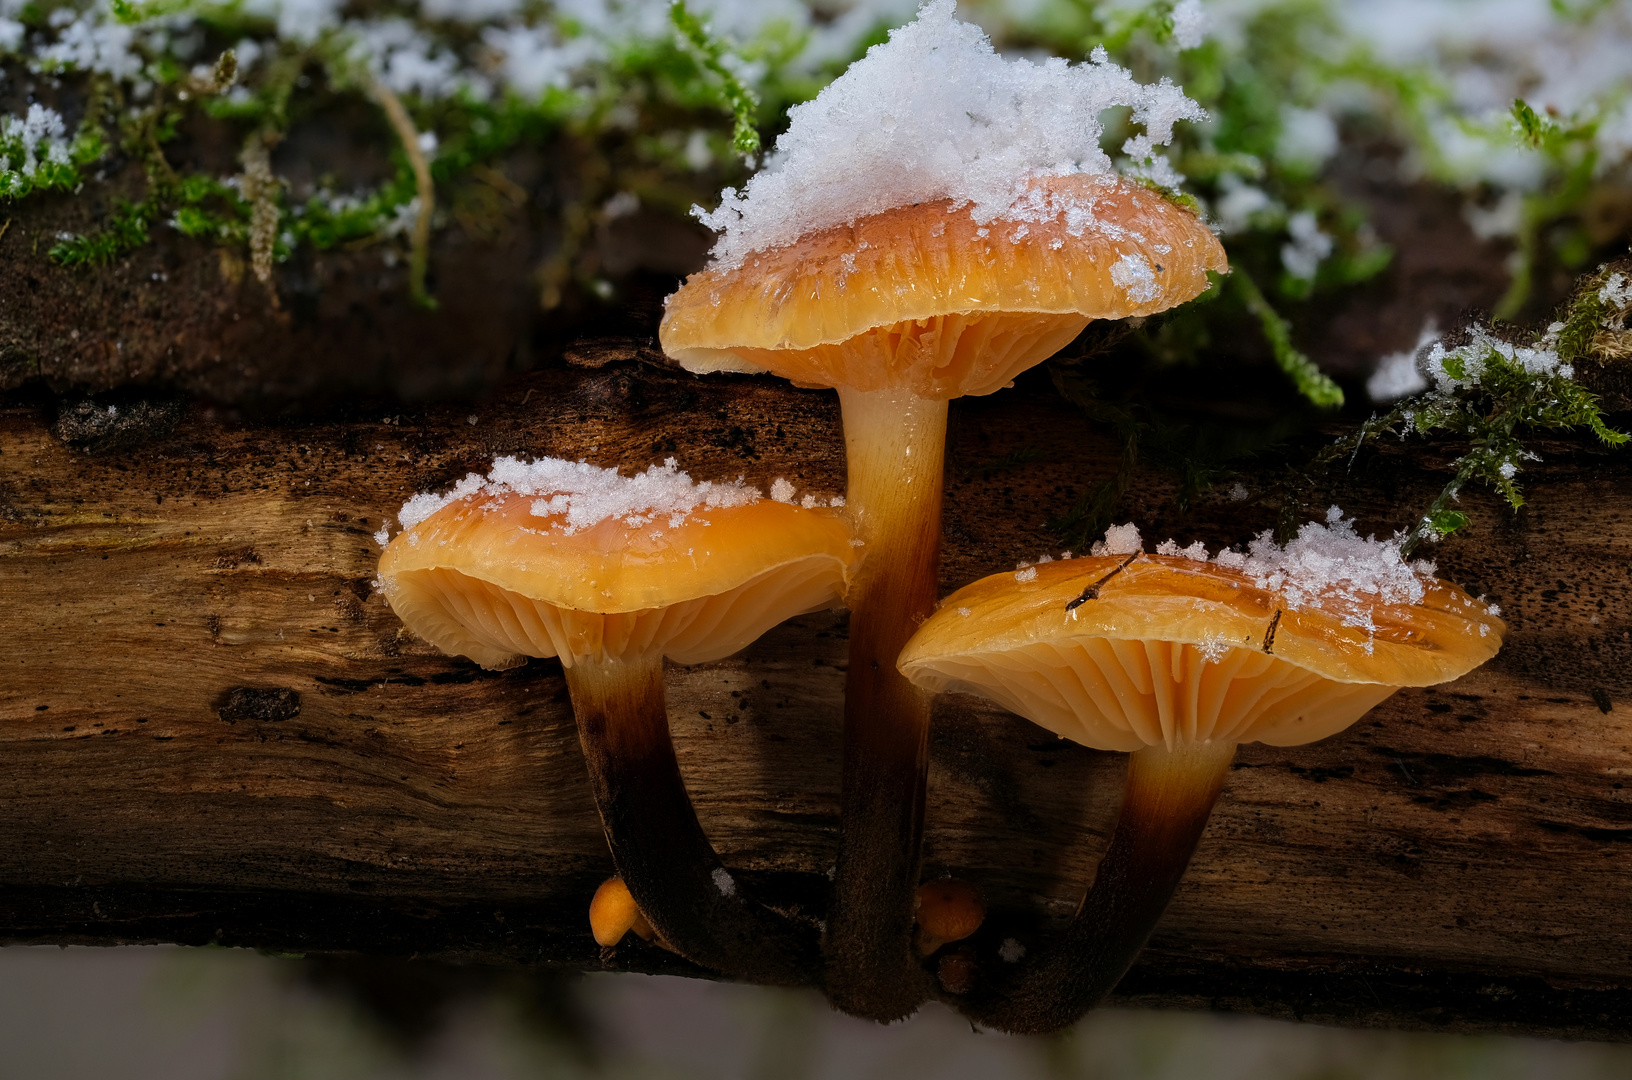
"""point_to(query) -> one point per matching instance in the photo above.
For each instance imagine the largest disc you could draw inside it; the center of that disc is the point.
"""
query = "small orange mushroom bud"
(958, 972)
(948, 910)
(613, 913)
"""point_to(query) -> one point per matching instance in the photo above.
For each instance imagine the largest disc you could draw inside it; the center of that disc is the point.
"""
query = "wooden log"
(213, 729)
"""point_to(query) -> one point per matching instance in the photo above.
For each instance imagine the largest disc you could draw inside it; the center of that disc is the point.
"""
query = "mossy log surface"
(213, 729)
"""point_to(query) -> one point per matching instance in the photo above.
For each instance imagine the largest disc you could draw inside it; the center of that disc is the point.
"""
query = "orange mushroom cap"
(949, 909)
(922, 297)
(499, 574)
(613, 913)
(1122, 652)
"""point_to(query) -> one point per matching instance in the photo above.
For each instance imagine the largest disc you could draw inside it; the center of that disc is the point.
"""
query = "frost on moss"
(468, 80)
(1494, 395)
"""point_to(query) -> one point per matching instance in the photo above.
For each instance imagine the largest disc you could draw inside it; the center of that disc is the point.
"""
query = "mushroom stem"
(895, 444)
(1165, 807)
(660, 850)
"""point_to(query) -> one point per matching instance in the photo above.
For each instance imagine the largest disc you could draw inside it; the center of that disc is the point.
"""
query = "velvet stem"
(671, 869)
(1168, 798)
(895, 446)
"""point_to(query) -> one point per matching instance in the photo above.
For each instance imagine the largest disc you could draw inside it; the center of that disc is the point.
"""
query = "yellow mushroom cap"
(613, 913)
(498, 574)
(924, 298)
(1170, 650)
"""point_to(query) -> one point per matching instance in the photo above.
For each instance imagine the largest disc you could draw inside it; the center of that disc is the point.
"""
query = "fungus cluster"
(933, 224)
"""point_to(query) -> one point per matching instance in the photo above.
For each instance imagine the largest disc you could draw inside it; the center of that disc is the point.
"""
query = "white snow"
(40, 134)
(1617, 293)
(1326, 566)
(722, 881)
(1536, 360)
(1308, 248)
(1028, 574)
(586, 494)
(1396, 375)
(1119, 540)
(1133, 275)
(1190, 24)
(935, 113)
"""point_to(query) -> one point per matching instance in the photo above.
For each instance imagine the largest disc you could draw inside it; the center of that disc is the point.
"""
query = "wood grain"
(1461, 858)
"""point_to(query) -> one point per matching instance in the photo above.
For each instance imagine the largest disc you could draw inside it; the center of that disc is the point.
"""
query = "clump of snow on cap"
(935, 113)
(1119, 540)
(585, 494)
(1329, 566)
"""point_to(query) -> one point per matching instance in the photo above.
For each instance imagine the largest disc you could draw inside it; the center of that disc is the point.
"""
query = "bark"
(212, 728)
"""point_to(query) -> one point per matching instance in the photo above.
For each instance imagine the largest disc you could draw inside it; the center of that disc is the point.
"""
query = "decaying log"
(213, 729)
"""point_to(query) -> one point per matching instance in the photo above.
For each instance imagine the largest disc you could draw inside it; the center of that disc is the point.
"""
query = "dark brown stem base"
(672, 871)
(895, 445)
(1169, 796)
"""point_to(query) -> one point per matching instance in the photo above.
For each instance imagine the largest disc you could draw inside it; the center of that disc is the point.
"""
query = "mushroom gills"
(1126, 695)
(976, 352)
(498, 627)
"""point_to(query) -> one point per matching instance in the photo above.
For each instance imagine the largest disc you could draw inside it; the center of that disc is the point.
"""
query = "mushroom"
(903, 290)
(1178, 659)
(948, 910)
(611, 574)
(614, 913)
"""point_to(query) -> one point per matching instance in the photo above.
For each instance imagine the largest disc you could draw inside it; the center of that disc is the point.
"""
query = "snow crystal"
(1239, 203)
(587, 494)
(1011, 951)
(1119, 540)
(405, 60)
(1190, 24)
(936, 113)
(1213, 648)
(1328, 566)
(1397, 375)
(965, 612)
(1132, 274)
(782, 491)
(1508, 470)
(1028, 574)
(1308, 137)
(1309, 246)
(383, 537)
(470, 11)
(1537, 361)
(533, 58)
(299, 21)
(40, 134)
(1617, 293)
(722, 881)
(87, 43)
(1196, 551)
(1239, 492)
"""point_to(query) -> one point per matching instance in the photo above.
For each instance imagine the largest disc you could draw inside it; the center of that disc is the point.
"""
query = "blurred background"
(228, 1014)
